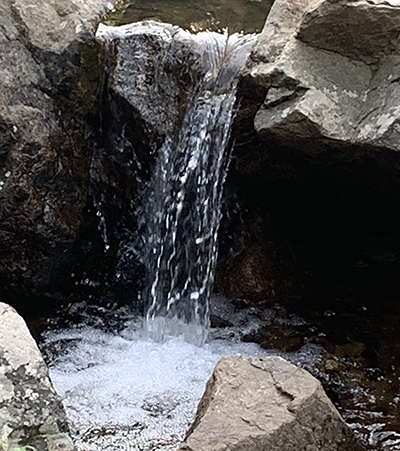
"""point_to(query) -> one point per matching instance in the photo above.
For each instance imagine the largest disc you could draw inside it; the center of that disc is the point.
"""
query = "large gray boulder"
(31, 412)
(258, 404)
(153, 70)
(51, 75)
(316, 146)
(331, 70)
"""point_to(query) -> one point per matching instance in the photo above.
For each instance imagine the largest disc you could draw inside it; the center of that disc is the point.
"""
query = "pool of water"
(236, 15)
(123, 391)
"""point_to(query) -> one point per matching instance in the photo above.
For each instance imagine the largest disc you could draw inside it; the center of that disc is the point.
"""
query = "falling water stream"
(184, 197)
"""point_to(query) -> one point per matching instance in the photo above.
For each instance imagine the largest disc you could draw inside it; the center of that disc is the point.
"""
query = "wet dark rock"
(259, 263)
(286, 338)
(31, 412)
(161, 405)
(152, 71)
(257, 404)
(50, 79)
(155, 68)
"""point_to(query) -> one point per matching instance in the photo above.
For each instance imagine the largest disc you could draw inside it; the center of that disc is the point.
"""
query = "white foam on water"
(129, 393)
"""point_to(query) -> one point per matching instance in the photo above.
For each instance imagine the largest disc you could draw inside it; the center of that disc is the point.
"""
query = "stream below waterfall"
(123, 391)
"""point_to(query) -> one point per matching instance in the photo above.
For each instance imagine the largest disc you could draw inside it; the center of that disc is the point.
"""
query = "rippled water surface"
(237, 15)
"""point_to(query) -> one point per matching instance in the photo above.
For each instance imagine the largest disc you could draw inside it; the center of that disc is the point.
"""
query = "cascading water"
(184, 196)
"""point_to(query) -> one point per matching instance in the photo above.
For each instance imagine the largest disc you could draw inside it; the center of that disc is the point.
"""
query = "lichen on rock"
(31, 412)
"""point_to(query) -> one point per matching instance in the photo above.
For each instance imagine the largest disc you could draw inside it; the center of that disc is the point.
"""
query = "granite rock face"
(253, 404)
(317, 139)
(331, 70)
(51, 71)
(31, 412)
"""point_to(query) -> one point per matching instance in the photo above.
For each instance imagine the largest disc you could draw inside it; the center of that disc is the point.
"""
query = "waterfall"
(183, 199)
(157, 69)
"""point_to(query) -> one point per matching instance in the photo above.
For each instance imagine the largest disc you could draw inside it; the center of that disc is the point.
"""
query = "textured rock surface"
(331, 69)
(316, 141)
(153, 70)
(253, 404)
(156, 68)
(259, 263)
(31, 412)
(50, 77)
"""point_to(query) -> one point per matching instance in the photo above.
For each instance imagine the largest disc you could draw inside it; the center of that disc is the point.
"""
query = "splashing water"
(125, 392)
(184, 196)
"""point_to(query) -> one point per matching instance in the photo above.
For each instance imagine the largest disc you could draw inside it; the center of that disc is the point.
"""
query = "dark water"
(236, 15)
(361, 323)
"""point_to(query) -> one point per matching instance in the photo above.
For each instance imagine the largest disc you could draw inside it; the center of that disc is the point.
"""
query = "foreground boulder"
(50, 78)
(254, 404)
(31, 413)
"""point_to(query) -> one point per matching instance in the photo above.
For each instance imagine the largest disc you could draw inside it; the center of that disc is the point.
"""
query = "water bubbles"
(126, 390)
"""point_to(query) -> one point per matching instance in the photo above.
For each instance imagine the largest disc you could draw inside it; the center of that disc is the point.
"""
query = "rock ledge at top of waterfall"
(255, 404)
(156, 68)
(31, 412)
(331, 69)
